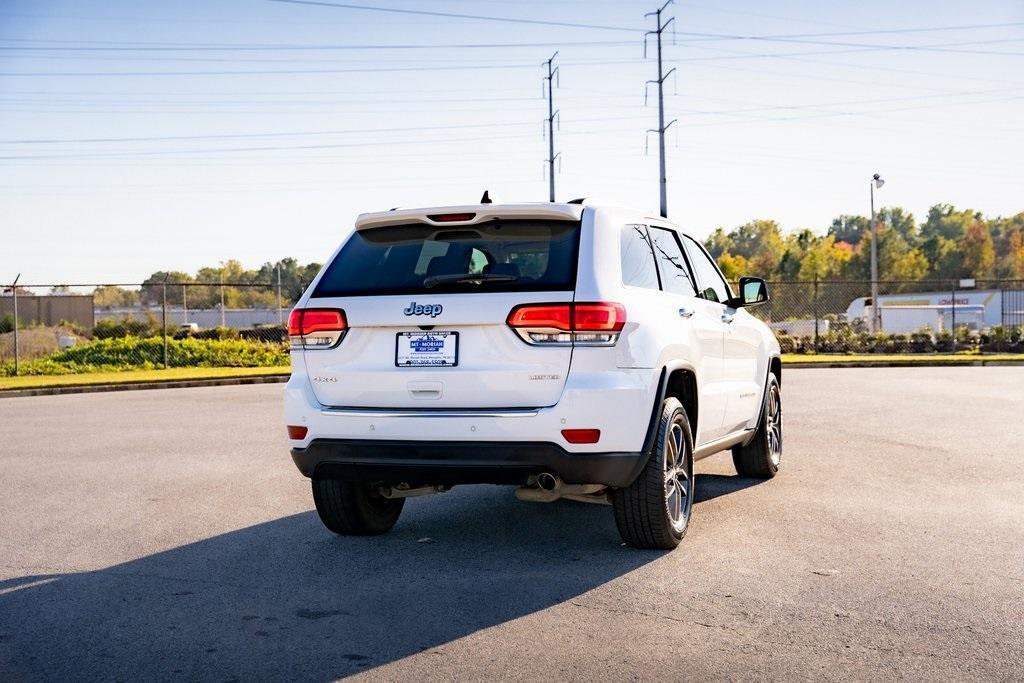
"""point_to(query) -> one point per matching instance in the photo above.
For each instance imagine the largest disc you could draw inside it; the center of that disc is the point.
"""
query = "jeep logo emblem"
(433, 310)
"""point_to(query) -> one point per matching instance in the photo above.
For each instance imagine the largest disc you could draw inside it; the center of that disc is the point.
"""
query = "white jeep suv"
(574, 351)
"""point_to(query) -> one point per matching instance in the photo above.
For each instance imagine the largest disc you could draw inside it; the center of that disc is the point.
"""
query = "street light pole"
(876, 313)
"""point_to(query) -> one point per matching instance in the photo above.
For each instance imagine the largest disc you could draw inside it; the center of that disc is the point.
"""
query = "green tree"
(111, 296)
(899, 221)
(733, 267)
(719, 243)
(825, 259)
(945, 221)
(849, 229)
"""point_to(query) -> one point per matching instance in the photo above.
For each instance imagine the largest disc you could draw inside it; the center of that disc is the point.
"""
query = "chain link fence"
(81, 328)
(924, 316)
(69, 329)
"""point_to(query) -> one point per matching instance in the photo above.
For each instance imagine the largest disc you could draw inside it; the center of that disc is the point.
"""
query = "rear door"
(703, 320)
(739, 353)
(426, 307)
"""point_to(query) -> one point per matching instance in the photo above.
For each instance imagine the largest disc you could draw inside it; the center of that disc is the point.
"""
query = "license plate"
(427, 349)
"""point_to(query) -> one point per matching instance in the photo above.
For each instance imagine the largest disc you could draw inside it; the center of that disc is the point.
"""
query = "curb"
(904, 364)
(136, 386)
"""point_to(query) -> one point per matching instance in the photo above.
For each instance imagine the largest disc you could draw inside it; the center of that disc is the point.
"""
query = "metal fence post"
(815, 308)
(953, 304)
(163, 316)
(280, 314)
(14, 294)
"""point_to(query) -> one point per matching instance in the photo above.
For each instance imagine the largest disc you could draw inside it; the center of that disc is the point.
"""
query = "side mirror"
(753, 291)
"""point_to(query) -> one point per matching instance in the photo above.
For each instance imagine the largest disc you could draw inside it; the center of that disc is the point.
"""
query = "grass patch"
(127, 376)
(906, 358)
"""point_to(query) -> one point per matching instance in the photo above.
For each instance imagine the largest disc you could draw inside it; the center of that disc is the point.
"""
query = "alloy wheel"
(678, 477)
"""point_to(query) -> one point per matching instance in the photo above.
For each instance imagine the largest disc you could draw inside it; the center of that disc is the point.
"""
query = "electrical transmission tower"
(662, 127)
(552, 113)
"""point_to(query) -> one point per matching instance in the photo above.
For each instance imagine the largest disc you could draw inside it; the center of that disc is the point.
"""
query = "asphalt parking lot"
(166, 534)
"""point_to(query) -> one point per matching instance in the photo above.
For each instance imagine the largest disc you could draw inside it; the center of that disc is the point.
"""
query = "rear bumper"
(462, 462)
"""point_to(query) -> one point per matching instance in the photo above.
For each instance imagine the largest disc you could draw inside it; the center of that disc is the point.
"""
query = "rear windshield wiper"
(435, 280)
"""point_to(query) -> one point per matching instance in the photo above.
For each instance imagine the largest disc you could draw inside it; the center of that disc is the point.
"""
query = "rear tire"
(354, 508)
(654, 511)
(761, 457)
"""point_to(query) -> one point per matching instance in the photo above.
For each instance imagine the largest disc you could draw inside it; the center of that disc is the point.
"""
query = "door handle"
(727, 317)
(686, 312)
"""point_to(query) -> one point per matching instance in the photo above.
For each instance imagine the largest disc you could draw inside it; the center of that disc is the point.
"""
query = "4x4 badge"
(433, 310)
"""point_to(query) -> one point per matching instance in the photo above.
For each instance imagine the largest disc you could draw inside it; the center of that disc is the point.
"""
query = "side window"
(638, 268)
(710, 282)
(675, 274)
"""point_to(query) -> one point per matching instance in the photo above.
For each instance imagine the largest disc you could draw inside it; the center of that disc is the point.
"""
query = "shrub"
(921, 342)
(116, 329)
(787, 344)
(135, 353)
(216, 333)
(7, 323)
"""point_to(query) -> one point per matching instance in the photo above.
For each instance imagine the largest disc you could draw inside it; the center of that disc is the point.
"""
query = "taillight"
(592, 323)
(316, 328)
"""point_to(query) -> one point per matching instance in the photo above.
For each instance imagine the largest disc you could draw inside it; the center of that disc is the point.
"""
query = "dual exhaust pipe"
(547, 488)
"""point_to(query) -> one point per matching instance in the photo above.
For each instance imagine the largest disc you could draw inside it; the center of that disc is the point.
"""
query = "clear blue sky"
(271, 151)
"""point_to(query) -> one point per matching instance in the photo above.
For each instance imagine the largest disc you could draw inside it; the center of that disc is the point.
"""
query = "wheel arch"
(682, 385)
(679, 381)
(774, 368)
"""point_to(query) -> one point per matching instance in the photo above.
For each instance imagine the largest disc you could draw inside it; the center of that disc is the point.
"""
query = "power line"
(760, 107)
(268, 72)
(456, 15)
(123, 57)
(142, 47)
(164, 138)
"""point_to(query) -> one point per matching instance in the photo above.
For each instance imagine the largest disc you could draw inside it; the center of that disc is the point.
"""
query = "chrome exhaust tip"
(547, 481)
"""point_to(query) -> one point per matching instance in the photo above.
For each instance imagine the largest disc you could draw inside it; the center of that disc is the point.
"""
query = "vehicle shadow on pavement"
(287, 599)
(710, 486)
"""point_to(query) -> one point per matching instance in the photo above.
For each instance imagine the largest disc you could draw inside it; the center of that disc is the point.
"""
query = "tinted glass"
(710, 282)
(504, 255)
(638, 267)
(675, 274)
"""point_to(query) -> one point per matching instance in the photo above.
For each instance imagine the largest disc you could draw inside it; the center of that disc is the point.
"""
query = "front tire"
(761, 457)
(654, 511)
(353, 508)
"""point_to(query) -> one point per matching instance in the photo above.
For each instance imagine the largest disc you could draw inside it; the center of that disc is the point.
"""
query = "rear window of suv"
(495, 256)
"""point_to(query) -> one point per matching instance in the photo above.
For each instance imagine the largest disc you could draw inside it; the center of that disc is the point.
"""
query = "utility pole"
(552, 113)
(660, 130)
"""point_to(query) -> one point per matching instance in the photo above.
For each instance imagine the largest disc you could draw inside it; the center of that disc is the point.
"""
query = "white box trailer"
(908, 319)
(905, 313)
